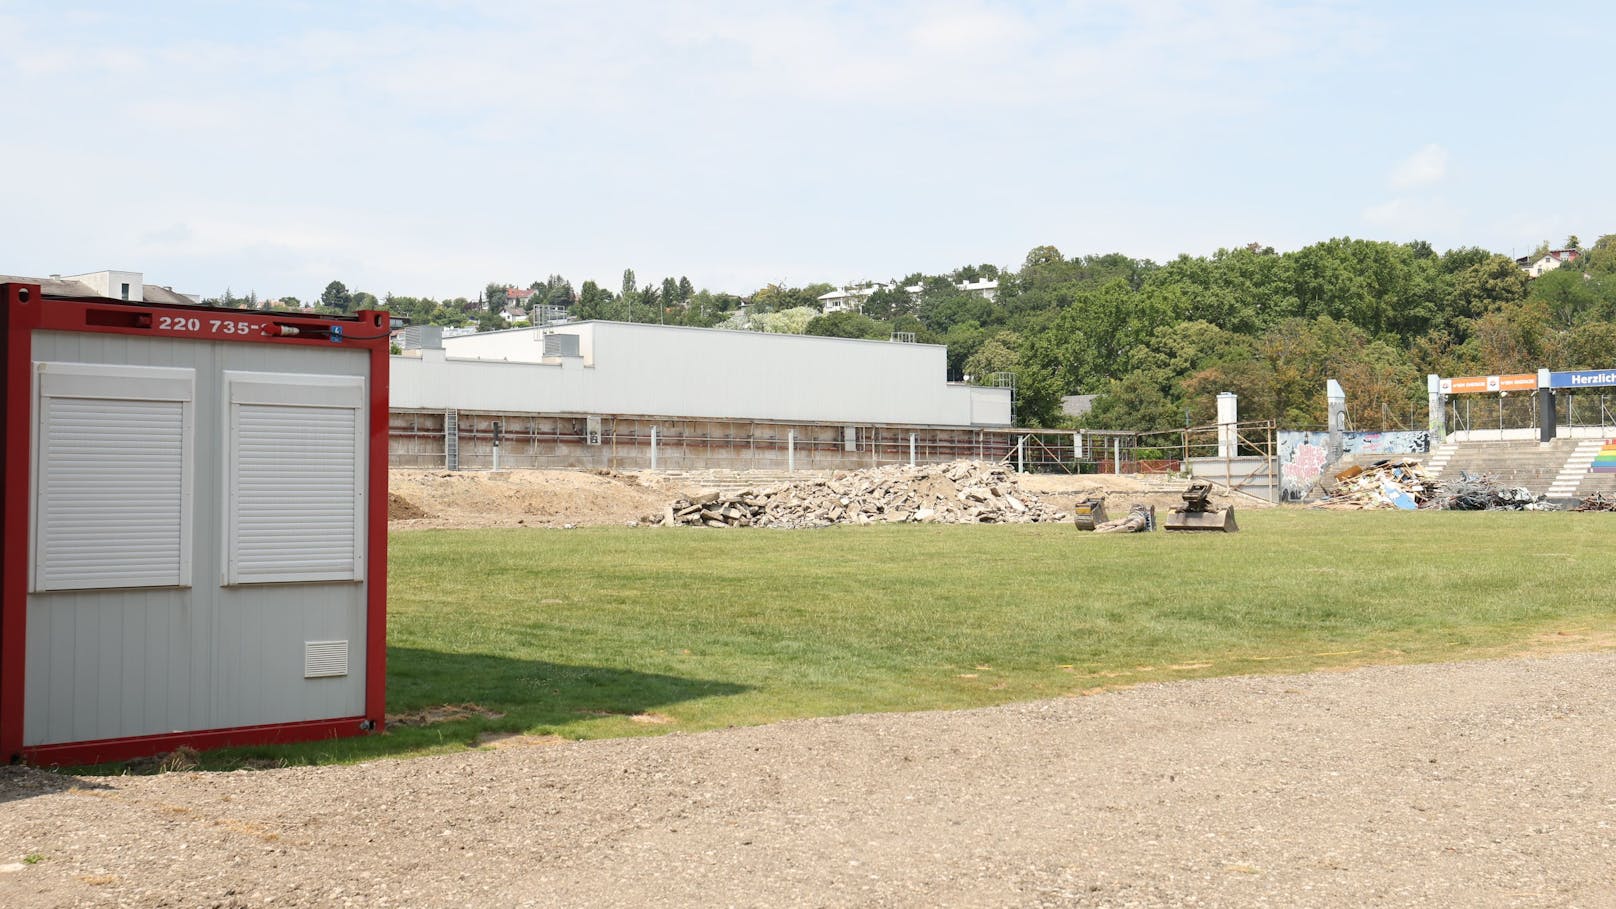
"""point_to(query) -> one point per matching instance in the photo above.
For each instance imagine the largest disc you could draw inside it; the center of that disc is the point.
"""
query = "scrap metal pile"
(1596, 502)
(1392, 483)
(960, 492)
(1481, 492)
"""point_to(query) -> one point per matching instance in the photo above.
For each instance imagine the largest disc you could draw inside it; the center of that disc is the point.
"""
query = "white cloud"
(1423, 168)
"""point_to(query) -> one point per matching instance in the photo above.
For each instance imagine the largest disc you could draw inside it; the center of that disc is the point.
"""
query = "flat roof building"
(662, 370)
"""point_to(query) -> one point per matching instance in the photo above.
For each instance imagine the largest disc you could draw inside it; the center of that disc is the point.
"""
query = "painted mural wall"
(1304, 454)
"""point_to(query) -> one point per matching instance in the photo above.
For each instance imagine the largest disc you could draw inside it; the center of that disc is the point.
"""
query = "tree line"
(1156, 342)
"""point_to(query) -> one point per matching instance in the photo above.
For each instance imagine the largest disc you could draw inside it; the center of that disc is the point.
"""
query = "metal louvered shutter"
(112, 476)
(296, 503)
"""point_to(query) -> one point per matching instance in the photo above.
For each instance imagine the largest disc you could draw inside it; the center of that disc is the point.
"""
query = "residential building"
(112, 284)
(854, 297)
(1541, 265)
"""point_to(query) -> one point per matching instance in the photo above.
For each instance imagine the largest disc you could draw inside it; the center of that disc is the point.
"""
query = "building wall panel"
(115, 663)
(694, 373)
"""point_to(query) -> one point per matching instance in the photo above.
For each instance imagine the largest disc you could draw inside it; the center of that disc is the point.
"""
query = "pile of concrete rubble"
(959, 492)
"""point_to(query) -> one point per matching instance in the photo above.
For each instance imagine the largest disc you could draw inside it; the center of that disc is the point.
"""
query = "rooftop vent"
(423, 337)
(559, 345)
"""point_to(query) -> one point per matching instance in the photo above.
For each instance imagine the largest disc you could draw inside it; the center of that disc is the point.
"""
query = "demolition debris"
(1402, 483)
(1596, 502)
(1392, 483)
(1481, 492)
(960, 492)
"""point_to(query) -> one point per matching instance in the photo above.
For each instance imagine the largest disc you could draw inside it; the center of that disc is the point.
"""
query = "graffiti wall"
(1303, 455)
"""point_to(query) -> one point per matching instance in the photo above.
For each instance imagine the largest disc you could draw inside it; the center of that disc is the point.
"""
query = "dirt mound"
(402, 509)
(528, 498)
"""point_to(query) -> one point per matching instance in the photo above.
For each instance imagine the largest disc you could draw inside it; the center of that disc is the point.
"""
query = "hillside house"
(1541, 265)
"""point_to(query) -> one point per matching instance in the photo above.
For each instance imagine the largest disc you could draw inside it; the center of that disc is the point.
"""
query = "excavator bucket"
(1198, 513)
(1202, 520)
(1089, 512)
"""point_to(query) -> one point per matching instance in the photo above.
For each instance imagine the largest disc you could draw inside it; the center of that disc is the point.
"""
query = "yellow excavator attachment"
(1089, 512)
(1198, 513)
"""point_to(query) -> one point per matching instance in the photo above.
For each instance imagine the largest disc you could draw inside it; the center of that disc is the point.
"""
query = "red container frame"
(25, 310)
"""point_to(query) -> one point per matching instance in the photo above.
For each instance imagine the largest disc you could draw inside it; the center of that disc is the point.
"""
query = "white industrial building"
(710, 397)
(634, 368)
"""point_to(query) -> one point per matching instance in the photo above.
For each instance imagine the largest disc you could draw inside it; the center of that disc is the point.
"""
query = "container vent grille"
(324, 659)
(556, 345)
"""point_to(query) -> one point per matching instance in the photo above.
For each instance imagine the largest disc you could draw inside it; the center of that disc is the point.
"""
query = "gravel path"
(1476, 784)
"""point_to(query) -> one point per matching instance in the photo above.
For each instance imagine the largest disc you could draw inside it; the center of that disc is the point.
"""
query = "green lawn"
(575, 633)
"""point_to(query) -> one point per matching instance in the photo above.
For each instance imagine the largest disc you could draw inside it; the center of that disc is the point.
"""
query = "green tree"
(335, 297)
(847, 324)
(998, 354)
(1510, 339)
(1572, 297)
(592, 301)
(1482, 287)
(494, 296)
(1601, 259)
(1591, 345)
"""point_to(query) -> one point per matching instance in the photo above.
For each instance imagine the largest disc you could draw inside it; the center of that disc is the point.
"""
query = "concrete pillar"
(1546, 429)
(1228, 416)
(653, 447)
(1436, 420)
(1336, 397)
(911, 449)
(1021, 454)
(791, 450)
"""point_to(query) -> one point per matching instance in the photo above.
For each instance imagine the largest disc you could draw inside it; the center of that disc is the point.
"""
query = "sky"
(428, 147)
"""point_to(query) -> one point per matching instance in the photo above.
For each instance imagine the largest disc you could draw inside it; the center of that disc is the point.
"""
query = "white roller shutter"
(296, 504)
(112, 476)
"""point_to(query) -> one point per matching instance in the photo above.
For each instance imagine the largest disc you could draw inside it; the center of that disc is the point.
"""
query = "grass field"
(617, 631)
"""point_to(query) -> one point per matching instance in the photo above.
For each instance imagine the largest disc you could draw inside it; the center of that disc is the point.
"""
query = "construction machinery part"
(1088, 513)
(1140, 519)
(1198, 512)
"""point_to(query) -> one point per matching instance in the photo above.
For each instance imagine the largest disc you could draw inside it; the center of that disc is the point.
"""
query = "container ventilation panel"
(325, 659)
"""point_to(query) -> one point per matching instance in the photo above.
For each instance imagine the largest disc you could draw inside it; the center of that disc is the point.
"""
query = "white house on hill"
(853, 298)
(1548, 262)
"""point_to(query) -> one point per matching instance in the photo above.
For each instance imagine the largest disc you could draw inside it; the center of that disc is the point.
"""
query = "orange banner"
(1463, 385)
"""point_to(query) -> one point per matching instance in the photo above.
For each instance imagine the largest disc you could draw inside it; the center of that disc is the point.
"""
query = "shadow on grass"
(485, 695)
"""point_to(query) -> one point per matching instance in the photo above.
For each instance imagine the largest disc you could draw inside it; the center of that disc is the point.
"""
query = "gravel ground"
(1474, 784)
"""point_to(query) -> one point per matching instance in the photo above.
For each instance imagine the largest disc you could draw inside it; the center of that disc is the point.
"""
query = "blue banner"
(1587, 378)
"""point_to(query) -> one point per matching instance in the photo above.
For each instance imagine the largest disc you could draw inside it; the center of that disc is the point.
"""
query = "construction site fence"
(467, 440)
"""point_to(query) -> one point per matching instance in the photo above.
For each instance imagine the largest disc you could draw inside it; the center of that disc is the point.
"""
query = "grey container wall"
(117, 663)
